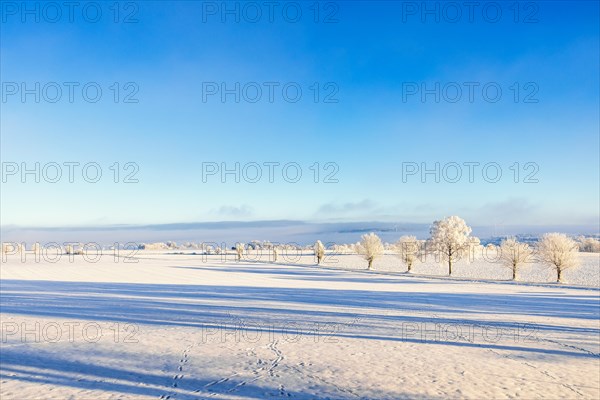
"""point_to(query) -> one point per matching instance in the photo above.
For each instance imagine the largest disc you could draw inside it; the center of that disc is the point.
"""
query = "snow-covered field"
(586, 273)
(185, 326)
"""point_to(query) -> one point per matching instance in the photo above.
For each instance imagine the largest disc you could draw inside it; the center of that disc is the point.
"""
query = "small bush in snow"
(408, 248)
(319, 251)
(239, 249)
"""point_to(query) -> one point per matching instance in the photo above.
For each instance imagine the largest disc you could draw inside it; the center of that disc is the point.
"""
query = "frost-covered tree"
(451, 237)
(513, 254)
(239, 249)
(558, 251)
(370, 247)
(319, 251)
(408, 248)
(589, 244)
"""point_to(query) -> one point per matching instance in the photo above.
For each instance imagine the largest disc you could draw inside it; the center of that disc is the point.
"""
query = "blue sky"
(370, 56)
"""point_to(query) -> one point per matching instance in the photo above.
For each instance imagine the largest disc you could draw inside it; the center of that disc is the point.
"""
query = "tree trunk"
(558, 273)
(449, 267)
(514, 273)
(409, 266)
(370, 263)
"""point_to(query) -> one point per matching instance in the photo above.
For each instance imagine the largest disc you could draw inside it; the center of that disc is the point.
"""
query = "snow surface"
(194, 327)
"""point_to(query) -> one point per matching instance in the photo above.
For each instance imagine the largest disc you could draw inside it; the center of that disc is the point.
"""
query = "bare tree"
(558, 251)
(451, 237)
(408, 248)
(370, 247)
(513, 254)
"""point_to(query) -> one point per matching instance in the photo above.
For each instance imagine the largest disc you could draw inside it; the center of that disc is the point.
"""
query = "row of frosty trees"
(451, 239)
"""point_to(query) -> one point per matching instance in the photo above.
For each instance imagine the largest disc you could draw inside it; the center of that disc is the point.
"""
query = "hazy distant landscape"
(284, 231)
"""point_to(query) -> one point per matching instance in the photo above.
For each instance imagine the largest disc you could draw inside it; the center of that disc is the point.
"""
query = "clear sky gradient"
(365, 55)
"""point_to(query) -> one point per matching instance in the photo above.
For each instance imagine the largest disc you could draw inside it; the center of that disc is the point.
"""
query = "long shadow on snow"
(46, 369)
(194, 306)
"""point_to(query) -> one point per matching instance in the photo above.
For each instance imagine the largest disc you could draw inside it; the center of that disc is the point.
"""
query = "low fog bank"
(276, 231)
